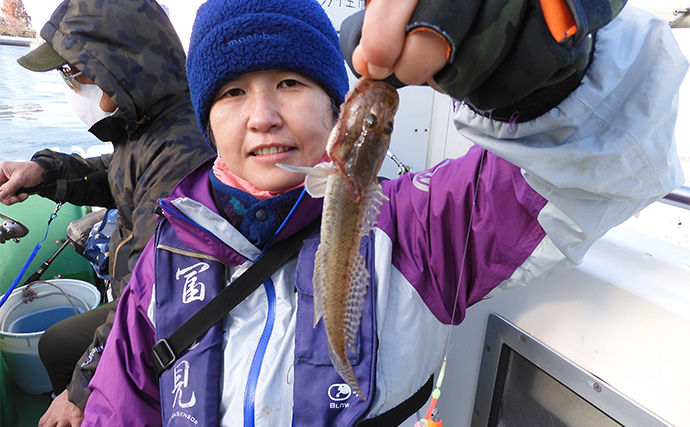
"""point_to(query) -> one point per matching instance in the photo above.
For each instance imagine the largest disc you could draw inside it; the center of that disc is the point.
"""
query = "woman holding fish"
(356, 323)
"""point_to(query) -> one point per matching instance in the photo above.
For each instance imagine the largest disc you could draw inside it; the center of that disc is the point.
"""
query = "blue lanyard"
(31, 257)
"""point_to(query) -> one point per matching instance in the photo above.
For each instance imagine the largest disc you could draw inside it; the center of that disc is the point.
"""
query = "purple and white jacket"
(546, 190)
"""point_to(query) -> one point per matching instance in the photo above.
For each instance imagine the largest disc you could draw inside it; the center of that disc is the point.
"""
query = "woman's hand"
(385, 47)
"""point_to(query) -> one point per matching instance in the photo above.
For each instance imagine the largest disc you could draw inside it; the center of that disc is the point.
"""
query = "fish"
(352, 199)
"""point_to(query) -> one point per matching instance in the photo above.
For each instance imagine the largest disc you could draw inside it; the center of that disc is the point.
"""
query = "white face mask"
(86, 104)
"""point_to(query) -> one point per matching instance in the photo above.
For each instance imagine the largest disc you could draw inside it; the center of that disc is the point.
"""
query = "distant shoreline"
(17, 41)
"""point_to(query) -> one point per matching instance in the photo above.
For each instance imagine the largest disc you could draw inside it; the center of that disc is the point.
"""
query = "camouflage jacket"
(131, 51)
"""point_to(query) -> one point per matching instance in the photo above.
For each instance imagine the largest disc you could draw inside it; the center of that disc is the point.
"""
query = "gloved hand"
(502, 51)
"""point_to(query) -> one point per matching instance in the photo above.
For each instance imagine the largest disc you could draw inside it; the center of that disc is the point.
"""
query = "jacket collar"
(209, 233)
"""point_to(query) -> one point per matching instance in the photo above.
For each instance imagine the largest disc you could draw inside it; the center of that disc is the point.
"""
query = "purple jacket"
(447, 238)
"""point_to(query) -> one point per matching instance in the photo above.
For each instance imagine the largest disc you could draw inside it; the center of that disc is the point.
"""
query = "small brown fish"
(352, 200)
(357, 147)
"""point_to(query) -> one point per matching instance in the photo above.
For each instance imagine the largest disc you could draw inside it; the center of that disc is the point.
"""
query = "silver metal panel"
(679, 198)
(521, 377)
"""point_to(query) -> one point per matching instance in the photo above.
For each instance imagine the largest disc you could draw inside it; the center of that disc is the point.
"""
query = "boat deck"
(18, 408)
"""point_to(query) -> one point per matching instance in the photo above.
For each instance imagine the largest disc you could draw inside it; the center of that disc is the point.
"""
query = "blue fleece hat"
(234, 37)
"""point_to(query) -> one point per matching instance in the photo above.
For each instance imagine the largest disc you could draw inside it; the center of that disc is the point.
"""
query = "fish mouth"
(265, 151)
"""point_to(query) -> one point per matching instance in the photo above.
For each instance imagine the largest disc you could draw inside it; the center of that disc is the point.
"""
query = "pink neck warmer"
(224, 175)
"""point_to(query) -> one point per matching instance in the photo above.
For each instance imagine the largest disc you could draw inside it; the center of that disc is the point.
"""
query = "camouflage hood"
(128, 48)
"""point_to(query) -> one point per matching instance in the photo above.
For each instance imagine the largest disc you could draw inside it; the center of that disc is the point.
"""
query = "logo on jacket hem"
(339, 393)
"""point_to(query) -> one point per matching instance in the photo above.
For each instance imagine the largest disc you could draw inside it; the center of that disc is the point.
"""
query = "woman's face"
(268, 117)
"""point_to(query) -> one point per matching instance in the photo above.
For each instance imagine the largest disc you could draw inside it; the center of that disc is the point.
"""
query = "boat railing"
(679, 198)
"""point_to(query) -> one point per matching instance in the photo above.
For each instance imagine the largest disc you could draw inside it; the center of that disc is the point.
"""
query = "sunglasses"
(70, 77)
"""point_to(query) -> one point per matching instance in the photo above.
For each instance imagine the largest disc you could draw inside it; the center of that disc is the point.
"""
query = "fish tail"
(344, 369)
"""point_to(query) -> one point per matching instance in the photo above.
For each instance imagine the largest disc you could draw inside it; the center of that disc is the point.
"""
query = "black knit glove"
(503, 51)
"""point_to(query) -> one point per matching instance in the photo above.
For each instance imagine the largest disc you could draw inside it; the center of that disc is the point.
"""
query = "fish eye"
(370, 121)
(388, 129)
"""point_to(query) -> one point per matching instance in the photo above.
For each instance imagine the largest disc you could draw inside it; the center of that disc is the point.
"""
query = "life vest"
(190, 390)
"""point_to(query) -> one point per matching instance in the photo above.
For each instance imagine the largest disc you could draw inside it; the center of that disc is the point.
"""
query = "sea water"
(34, 113)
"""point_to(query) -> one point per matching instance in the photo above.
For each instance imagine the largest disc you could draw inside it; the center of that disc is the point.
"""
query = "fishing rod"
(98, 176)
(37, 275)
(31, 257)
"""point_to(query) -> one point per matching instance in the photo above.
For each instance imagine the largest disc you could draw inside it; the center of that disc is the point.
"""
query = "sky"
(182, 13)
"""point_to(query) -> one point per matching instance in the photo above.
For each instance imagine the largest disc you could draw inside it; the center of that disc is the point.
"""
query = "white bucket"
(22, 324)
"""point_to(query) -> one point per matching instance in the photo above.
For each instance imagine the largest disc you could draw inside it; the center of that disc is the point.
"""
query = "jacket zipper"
(257, 361)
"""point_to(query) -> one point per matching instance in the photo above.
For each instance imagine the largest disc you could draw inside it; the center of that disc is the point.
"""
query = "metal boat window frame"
(679, 198)
(504, 339)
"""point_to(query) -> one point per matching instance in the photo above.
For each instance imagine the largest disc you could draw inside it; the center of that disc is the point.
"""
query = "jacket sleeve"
(78, 389)
(151, 178)
(533, 197)
(608, 150)
(155, 182)
(124, 390)
(61, 168)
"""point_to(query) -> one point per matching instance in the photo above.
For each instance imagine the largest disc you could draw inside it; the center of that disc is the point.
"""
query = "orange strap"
(559, 19)
(432, 31)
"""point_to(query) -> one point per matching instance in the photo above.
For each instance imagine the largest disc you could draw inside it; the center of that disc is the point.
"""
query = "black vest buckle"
(163, 356)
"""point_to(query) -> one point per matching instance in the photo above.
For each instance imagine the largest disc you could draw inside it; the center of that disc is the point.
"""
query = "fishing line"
(31, 257)
(432, 417)
(464, 254)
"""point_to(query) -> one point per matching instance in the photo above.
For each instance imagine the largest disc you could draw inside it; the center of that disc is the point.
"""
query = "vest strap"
(403, 411)
(167, 351)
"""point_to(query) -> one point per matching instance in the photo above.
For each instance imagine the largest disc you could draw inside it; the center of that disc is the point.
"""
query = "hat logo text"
(252, 38)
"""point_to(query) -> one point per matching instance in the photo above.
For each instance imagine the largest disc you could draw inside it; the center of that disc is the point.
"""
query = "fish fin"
(316, 182)
(321, 170)
(317, 176)
(344, 369)
(373, 199)
(353, 314)
(316, 187)
(359, 279)
(318, 288)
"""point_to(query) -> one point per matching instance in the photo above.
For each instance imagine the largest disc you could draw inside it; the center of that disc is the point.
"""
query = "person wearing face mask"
(88, 101)
(133, 92)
